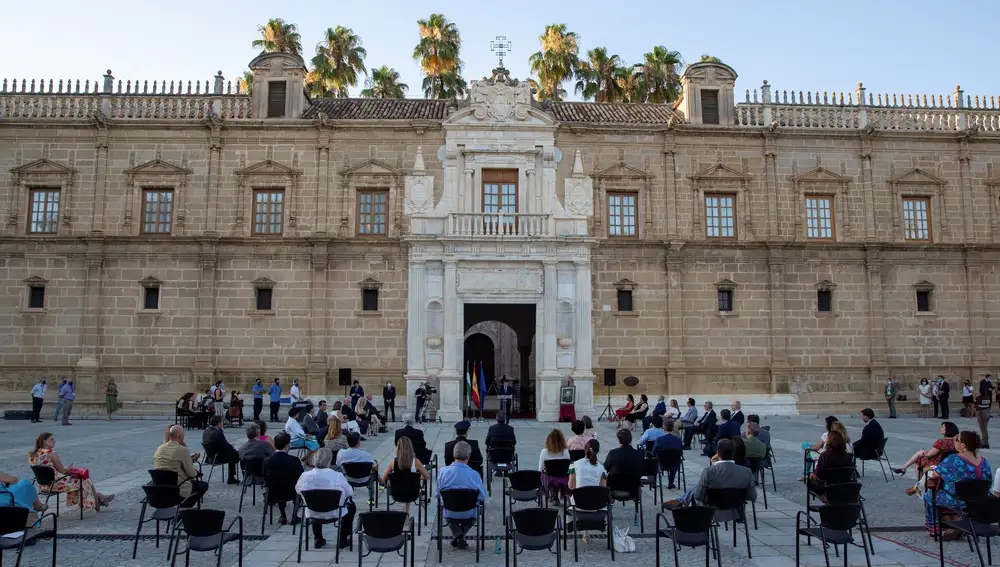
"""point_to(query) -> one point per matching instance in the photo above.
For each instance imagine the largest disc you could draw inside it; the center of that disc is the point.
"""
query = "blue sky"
(903, 46)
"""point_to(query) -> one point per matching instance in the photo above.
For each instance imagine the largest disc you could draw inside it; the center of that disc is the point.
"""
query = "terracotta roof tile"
(613, 113)
(377, 109)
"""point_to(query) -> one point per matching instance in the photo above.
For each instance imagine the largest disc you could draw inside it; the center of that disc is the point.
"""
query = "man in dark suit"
(500, 432)
(723, 474)
(357, 392)
(944, 392)
(389, 400)
(871, 437)
(737, 413)
(659, 409)
(705, 425)
(728, 428)
(282, 471)
(626, 458)
(461, 434)
(415, 435)
(505, 403)
(219, 449)
(668, 441)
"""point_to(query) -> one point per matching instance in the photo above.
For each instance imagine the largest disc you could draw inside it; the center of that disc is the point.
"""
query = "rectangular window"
(500, 191)
(824, 300)
(725, 300)
(264, 297)
(36, 297)
(916, 218)
(720, 215)
(44, 215)
(373, 207)
(709, 106)
(276, 99)
(622, 214)
(923, 301)
(625, 300)
(151, 298)
(268, 211)
(157, 210)
(369, 300)
(819, 217)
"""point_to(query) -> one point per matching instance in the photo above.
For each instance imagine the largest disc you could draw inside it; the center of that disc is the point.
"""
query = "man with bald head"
(174, 456)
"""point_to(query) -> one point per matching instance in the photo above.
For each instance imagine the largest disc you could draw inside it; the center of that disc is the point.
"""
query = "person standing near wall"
(37, 398)
(983, 418)
(275, 393)
(258, 399)
(389, 400)
(890, 396)
(68, 396)
(59, 401)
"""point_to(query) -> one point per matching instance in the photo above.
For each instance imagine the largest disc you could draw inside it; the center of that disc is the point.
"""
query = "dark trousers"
(229, 456)
(390, 406)
(505, 407)
(689, 432)
(943, 402)
(983, 417)
(936, 406)
(460, 527)
(36, 408)
(274, 410)
(258, 405)
(346, 525)
(420, 406)
(198, 489)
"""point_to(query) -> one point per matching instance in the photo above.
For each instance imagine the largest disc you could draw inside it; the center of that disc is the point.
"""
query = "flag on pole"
(468, 387)
(475, 388)
(482, 386)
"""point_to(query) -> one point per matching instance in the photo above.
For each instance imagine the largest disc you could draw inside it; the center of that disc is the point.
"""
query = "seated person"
(724, 473)
(965, 464)
(654, 432)
(376, 418)
(405, 460)
(77, 482)
(23, 493)
(728, 428)
(501, 432)
(415, 435)
(282, 470)
(659, 409)
(335, 438)
(756, 449)
(872, 436)
(309, 424)
(459, 475)
(173, 456)
(262, 425)
(322, 477)
(554, 449)
(354, 454)
(364, 423)
(322, 420)
(578, 442)
(462, 434)
(622, 412)
(813, 450)
(587, 471)
(300, 439)
(672, 412)
(625, 459)
(926, 458)
(638, 412)
(254, 448)
(705, 426)
(835, 456)
(669, 441)
(219, 449)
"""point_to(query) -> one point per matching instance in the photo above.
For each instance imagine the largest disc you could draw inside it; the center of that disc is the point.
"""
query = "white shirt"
(996, 482)
(672, 412)
(325, 479)
(295, 393)
(547, 456)
(38, 391)
(588, 474)
(294, 428)
(967, 391)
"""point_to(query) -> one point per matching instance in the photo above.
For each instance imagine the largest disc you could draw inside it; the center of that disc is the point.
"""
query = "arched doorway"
(511, 330)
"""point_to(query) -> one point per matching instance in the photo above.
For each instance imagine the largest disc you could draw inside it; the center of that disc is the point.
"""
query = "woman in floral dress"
(965, 464)
(76, 484)
(111, 397)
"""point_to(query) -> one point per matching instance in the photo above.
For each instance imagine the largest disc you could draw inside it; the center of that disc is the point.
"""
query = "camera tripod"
(608, 409)
(427, 408)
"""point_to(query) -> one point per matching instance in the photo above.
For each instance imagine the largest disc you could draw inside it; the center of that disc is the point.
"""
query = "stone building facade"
(789, 251)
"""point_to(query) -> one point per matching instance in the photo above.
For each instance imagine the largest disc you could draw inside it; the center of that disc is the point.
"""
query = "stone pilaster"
(876, 312)
(97, 212)
(771, 185)
(416, 330)
(670, 182)
(324, 180)
(674, 266)
(974, 306)
(583, 373)
(779, 341)
(214, 175)
(968, 214)
(450, 378)
(89, 364)
(868, 186)
(208, 261)
(316, 370)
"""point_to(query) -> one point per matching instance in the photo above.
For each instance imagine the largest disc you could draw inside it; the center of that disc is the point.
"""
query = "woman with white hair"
(322, 477)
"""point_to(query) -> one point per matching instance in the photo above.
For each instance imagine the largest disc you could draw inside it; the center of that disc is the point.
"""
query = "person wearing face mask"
(389, 400)
(275, 393)
(258, 399)
(925, 398)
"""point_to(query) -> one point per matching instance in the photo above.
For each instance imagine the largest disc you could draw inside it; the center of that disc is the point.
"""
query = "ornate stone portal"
(470, 249)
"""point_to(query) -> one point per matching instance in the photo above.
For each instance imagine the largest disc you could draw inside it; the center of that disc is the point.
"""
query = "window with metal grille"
(720, 215)
(725, 300)
(621, 214)
(923, 301)
(819, 217)
(824, 300)
(268, 211)
(265, 298)
(157, 210)
(625, 300)
(500, 196)
(373, 206)
(36, 297)
(916, 218)
(44, 215)
(709, 106)
(369, 300)
(151, 298)
(276, 99)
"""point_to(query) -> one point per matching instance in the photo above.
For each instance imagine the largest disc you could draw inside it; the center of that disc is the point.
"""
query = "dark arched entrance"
(520, 318)
(479, 349)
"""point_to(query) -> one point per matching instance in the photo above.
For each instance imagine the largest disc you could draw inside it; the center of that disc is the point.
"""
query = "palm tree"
(556, 62)
(660, 73)
(384, 83)
(246, 83)
(448, 85)
(279, 36)
(437, 52)
(339, 58)
(706, 58)
(596, 77)
(631, 83)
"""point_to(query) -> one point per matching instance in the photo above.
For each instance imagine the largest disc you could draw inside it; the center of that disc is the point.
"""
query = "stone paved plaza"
(118, 455)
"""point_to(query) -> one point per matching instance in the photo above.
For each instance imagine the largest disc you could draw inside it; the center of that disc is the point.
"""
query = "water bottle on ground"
(498, 550)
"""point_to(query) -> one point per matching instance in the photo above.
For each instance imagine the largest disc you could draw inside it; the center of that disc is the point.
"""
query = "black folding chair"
(533, 529)
(977, 519)
(651, 475)
(628, 488)
(522, 486)
(693, 527)
(768, 464)
(205, 532)
(880, 456)
(321, 502)
(577, 454)
(757, 468)
(253, 476)
(501, 459)
(555, 469)
(843, 493)
(591, 510)
(13, 519)
(363, 475)
(461, 500)
(277, 490)
(385, 532)
(165, 501)
(669, 459)
(730, 506)
(836, 521)
(164, 477)
(406, 487)
(210, 460)
(45, 478)
(430, 462)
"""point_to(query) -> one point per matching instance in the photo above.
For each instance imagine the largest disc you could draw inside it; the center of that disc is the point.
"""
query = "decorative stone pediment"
(500, 99)
(35, 281)
(720, 172)
(725, 285)
(579, 190)
(263, 283)
(268, 167)
(371, 168)
(621, 170)
(625, 285)
(41, 168)
(158, 167)
(150, 281)
(370, 283)
(825, 285)
(710, 73)
(923, 285)
(820, 175)
(917, 176)
(277, 61)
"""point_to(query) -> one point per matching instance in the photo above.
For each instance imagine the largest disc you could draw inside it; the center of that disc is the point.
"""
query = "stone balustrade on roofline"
(769, 107)
(149, 100)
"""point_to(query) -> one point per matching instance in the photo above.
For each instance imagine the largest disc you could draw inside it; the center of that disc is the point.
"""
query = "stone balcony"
(499, 224)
